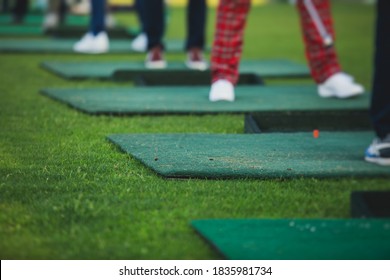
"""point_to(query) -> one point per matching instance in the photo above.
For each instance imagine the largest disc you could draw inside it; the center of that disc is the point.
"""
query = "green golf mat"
(129, 70)
(74, 32)
(136, 71)
(267, 155)
(37, 19)
(117, 32)
(298, 239)
(66, 46)
(20, 30)
(194, 100)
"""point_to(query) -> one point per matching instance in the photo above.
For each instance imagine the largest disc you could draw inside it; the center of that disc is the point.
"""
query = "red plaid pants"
(228, 39)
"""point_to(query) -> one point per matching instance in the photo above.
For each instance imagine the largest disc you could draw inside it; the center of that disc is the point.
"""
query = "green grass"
(66, 193)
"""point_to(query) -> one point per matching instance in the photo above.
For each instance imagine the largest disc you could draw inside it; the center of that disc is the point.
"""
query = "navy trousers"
(380, 100)
(154, 24)
(98, 13)
(140, 8)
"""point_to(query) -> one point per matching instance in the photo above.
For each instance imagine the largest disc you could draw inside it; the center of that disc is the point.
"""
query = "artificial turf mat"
(128, 70)
(298, 239)
(187, 100)
(66, 45)
(37, 19)
(117, 32)
(62, 31)
(20, 30)
(268, 155)
(370, 204)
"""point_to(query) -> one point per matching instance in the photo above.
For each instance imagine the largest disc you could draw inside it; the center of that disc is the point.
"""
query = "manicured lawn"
(66, 193)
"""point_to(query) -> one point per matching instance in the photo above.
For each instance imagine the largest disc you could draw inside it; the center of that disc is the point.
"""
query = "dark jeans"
(140, 8)
(380, 100)
(98, 13)
(155, 25)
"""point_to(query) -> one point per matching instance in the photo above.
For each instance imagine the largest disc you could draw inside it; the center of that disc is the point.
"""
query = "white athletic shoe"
(93, 44)
(155, 59)
(195, 60)
(221, 90)
(51, 20)
(379, 151)
(340, 85)
(140, 43)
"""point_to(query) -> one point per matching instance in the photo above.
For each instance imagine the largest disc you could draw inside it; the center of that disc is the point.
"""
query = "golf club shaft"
(326, 37)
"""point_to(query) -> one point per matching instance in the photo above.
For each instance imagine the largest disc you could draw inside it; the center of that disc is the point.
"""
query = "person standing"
(154, 27)
(318, 34)
(379, 151)
(55, 15)
(96, 39)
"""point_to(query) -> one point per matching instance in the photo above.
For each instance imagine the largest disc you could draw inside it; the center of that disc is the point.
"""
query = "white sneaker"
(379, 151)
(140, 43)
(51, 20)
(340, 85)
(93, 44)
(195, 60)
(221, 90)
(155, 59)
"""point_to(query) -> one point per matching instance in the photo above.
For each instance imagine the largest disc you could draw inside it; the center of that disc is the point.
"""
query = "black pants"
(380, 100)
(154, 24)
(98, 14)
